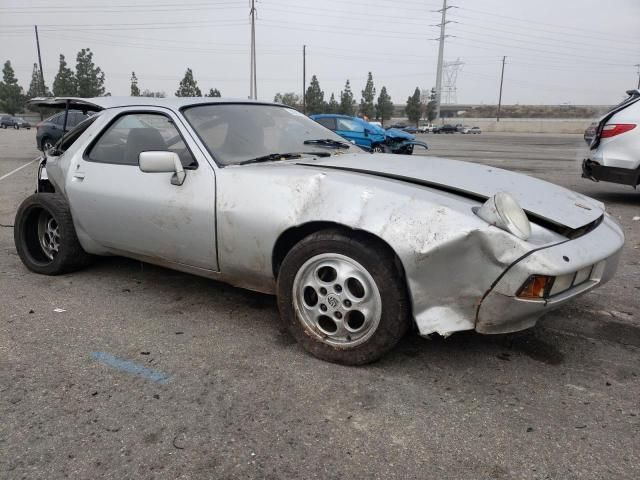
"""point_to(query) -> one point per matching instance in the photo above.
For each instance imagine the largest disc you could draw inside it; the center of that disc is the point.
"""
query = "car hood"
(543, 200)
(397, 133)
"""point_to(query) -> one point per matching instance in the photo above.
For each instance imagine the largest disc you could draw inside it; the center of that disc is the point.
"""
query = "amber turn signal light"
(535, 287)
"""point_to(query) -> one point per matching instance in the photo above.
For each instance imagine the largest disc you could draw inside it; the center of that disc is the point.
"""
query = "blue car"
(369, 137)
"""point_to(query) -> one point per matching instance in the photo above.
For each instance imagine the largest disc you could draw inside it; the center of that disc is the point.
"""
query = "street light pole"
(500, 96)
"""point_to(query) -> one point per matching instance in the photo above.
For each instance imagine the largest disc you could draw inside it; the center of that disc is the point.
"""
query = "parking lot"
(214, 387)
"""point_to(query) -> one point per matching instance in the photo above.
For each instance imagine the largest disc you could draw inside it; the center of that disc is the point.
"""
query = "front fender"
(450, 256)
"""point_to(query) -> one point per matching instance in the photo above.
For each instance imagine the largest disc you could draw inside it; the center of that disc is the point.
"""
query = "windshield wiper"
(272, 157)
(329, 142)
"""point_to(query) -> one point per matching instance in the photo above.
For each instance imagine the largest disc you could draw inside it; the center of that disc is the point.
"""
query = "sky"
(557, 51)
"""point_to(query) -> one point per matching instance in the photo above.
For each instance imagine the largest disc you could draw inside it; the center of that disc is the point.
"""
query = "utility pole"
(304, 79)
(253, 88)
(442, 24)
(42, 89)
(637, 65)
(500, 96)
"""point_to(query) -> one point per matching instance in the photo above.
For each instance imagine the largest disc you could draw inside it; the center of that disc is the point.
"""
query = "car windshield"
(238, 133)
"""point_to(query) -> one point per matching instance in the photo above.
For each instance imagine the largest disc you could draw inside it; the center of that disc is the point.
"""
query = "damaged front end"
(401, 142)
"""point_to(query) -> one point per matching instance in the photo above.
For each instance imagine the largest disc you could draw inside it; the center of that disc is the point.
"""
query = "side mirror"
(162, 162)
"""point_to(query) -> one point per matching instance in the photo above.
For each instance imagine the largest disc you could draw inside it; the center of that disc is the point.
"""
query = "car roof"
(102, 103)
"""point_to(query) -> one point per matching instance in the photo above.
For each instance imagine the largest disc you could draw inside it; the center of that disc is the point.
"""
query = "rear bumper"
(502, 312)
(596, 172)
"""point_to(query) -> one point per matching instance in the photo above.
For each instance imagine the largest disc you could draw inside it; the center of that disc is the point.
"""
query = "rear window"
(70, 137)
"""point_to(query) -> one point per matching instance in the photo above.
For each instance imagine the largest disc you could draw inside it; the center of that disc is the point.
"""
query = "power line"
(253, 87)
(500, 95)
(442, 25)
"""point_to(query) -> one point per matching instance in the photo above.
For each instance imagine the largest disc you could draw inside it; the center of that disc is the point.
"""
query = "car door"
(143, 214)
(352, 131)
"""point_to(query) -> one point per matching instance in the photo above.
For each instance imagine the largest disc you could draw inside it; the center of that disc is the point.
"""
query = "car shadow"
(200, 297)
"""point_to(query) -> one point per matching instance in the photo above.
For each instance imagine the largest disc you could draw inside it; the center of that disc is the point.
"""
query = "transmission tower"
(451, 70)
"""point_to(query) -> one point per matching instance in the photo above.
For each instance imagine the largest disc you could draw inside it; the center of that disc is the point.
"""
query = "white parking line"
(18, 169)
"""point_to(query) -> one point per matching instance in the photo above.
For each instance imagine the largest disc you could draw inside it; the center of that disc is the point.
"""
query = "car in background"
(368, 136)
(426, 128)
(8, 121)
(50, 130)
(615, 148)
(446, 128)
(410, 129)
(470, 130)
(22, 123)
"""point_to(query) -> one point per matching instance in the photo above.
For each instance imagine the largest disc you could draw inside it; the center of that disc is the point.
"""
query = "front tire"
(343, 297)
(45, 237)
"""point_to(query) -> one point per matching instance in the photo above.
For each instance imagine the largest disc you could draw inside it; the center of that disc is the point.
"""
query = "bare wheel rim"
(378, 149)
(47, 144)
(337, 300)
(48, 234)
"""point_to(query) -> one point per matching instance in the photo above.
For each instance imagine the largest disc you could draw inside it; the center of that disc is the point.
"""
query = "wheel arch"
(290, 237)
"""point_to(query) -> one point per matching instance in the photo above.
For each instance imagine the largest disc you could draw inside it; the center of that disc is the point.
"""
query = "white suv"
(615, 147)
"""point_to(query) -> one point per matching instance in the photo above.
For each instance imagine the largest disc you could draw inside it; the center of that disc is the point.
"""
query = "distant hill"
(518, 111)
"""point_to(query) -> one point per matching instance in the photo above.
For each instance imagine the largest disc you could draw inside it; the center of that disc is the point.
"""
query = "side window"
(58, 120)
(140, 132)
(349, 125)
(330, 123)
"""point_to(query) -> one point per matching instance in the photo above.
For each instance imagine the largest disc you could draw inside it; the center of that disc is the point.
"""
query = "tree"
(413, 109)
(290, 99)
(431, 106)
(135, 91)
(213, 92)
(11, 94)
(36, 88)
(89, 78)
(149, 93)
(367, 107)
(64, 84)
(333, 106)
(314, 97)
(347, 103)
(188, 86)
(384, 107)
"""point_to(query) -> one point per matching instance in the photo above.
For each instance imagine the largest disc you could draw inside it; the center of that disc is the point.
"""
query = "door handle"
(78, 175)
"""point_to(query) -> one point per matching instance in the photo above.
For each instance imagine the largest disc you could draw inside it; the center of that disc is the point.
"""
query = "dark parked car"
(445, 129)
(7, 121)
(22, 123)
(49, 131)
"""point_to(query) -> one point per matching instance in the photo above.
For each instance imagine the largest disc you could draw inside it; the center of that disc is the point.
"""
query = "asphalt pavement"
(127, 370)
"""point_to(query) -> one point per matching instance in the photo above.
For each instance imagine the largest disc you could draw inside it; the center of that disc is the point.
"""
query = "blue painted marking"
(131, 367)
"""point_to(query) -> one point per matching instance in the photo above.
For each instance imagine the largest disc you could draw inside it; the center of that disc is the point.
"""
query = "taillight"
(613, 129)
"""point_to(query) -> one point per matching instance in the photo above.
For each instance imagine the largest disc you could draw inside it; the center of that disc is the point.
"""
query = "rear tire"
(45, 237)
(343, 297)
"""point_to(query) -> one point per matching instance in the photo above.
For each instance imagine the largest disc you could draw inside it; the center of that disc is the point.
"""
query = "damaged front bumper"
(582, 263)
(406, 146)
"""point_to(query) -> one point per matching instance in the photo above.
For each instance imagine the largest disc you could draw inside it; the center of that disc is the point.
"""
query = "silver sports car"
(356, 246)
